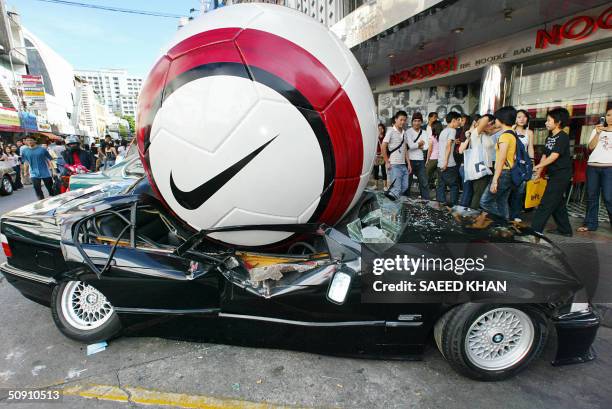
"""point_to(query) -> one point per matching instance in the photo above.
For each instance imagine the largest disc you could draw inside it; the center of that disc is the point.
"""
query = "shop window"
(581, 83)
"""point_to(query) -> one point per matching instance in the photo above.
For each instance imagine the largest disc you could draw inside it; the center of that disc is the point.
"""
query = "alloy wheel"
(499, 339)
(84, 307)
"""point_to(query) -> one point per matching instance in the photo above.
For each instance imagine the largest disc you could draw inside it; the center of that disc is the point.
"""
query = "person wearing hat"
(74, 155)
(417, 140)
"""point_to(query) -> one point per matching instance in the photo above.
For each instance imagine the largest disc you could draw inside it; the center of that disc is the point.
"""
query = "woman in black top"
(558, 162)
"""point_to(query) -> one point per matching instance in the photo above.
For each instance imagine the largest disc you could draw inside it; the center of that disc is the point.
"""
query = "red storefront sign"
(433, 69)
(577, 28)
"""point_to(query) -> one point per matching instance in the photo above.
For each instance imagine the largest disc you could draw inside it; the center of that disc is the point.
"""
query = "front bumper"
(576, 332)
(32, 285)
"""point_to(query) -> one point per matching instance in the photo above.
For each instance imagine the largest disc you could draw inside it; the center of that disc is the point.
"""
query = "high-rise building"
(327, 12)
(116, 88)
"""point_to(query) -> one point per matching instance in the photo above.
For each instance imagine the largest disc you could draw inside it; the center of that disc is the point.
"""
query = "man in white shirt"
(394, 152)
(417, 140)
(447, 168)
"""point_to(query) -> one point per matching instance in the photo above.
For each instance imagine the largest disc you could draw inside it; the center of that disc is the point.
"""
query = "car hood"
(421, 227)
(56, 206)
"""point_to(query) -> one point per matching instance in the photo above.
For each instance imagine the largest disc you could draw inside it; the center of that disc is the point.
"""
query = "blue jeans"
(517, 198)
(497, 203)
(399, 179)
(450, 178)
(418, 170)
(466, 196)
(599, 179)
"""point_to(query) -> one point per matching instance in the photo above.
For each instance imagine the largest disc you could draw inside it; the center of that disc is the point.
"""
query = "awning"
(49, 135)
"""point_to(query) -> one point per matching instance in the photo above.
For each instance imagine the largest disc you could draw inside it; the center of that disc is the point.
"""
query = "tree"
(123, 131)
(131, 121)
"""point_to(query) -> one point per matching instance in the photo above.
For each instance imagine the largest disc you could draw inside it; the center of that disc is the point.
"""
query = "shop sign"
(44, 127)
(9, 120)
(33, 91)
(576, 28)
(439, 67)
(519, 46)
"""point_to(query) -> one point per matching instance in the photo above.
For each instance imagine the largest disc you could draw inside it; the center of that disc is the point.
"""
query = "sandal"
(583, 229)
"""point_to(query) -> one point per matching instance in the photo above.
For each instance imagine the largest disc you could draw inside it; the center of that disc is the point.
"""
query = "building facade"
(58, 81)
(432, 56)
(327, 12)
(13, 64)
(117, 89)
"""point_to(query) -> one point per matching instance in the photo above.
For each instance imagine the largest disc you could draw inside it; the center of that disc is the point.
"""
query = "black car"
(100, 257)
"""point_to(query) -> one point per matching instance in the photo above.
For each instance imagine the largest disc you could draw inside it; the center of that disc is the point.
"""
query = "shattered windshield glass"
(383, 224)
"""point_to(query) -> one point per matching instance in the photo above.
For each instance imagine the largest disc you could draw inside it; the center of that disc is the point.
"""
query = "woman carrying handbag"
(379, 171)
(477, 158)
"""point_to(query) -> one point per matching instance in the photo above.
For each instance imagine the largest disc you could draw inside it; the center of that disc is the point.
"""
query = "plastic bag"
(534, 190)
(474, 163)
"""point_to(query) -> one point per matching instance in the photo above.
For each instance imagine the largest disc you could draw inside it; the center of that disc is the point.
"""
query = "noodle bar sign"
(577, 28)
(420, 72)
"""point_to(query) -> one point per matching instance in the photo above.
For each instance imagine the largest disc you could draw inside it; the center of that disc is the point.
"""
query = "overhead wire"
(114, 9)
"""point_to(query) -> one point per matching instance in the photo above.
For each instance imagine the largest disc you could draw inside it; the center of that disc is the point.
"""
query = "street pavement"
(145, 371)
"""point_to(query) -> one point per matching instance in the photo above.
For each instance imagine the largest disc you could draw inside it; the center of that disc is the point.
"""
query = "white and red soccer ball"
(257, 114)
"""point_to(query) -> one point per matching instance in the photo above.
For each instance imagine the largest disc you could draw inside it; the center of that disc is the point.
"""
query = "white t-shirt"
(11, 160)
(602, 154)
(395, 138)
(524, 139)
(448, 134)
(414, 152)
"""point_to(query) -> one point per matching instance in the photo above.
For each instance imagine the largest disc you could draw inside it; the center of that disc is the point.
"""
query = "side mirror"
(339, 286)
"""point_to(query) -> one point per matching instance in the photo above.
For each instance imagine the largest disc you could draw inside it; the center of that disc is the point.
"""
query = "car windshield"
(130, 167)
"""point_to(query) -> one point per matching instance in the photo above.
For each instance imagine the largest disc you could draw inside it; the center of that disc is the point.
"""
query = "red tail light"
(5, 246)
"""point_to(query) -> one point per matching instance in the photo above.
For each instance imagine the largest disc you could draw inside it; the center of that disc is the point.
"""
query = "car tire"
(504, 339)
(6, 185)
(82, 313)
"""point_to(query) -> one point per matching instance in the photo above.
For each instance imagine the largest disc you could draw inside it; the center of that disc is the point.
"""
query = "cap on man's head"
(417, 115)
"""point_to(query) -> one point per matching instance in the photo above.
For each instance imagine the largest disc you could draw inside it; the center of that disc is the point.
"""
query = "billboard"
(33, 91)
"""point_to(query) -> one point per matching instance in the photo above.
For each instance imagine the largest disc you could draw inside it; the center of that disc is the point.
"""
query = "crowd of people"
(42, 164)
(485, 163)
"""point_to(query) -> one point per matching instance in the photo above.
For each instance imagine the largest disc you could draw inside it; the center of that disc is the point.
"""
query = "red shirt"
(76, 159)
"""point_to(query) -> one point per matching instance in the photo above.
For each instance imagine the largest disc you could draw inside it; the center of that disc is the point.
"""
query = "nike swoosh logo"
(198, 196)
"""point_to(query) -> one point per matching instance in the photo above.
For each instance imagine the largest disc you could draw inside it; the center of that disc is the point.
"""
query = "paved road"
(169, 373)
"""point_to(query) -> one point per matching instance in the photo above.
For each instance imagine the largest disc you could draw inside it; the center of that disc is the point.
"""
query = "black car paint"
(156, 282)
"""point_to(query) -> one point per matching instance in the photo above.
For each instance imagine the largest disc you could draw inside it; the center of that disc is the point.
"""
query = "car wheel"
(6, 186)
(83, 313)
(491, 342)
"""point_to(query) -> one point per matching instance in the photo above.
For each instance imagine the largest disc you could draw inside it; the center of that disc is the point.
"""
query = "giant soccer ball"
(256, 114)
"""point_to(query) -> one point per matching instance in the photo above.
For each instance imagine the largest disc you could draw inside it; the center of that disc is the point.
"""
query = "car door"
(131, 250)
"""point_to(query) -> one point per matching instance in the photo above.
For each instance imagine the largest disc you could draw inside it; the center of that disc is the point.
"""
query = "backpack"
(522, 169)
